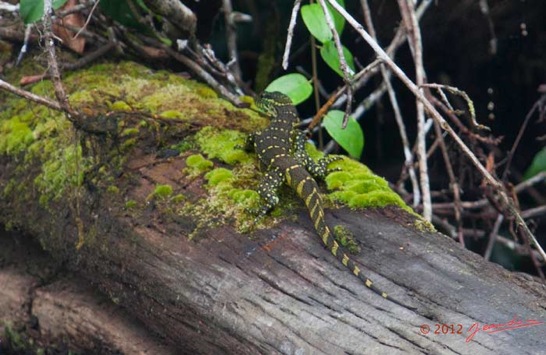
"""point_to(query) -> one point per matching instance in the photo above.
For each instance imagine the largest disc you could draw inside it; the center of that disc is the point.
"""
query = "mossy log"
(165, 242)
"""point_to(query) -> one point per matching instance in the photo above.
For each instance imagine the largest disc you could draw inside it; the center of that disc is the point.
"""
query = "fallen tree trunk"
(42, 306)
(142, 237)
(281, 292)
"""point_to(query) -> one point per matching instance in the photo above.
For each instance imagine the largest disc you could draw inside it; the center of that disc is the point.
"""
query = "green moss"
(18, 136)
(161, 192)
(178, 198)
(112, 189)
(131, 204)
(184, 145)
(129, 132)
(223, 144)
(219, 175)
(375, 199)
(48, 141)
(173, 114)
(65, 169)
(197, 164)
(128, 144)
(423, 225)
(356, 186)
(243, 196)
(206, 93)
(120, 106)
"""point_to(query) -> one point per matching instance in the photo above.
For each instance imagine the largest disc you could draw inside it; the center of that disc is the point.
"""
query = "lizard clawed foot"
(323, 163)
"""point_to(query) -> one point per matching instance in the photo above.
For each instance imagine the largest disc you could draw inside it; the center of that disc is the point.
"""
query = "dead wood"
(278, 290)
(42, 302)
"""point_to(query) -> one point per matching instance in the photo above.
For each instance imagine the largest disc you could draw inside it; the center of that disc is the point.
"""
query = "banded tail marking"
(313, 202)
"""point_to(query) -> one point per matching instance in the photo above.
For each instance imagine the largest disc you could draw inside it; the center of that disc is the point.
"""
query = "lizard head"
(269, 102)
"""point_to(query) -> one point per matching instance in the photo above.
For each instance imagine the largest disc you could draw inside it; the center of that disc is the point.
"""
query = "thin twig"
(52, 61)
(290, 34)
(454, 91)
(396, 109)
(30, 96)
(231, 39)
(88, 19)
(496, 185)
(209, 79)
(493, 237)
(540, 102)
(414, 39)
(534, 212)
(452, 181)
(530, 182)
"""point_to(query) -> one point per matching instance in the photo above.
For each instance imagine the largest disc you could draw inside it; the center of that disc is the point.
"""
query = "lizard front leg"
(318, 169)
(268, 191)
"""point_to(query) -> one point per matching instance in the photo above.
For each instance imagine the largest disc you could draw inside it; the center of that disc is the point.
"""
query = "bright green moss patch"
(64, 169)
(162, 192)
(376, 199)
(197, 164)
(366, 184)
(356, 186)
(18, 136)
(219, 175)
(223, 144)
(243, 195)
(173, 114)
(120, 106)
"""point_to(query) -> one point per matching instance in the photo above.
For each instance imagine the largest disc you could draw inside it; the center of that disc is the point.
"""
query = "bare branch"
(30, 96)
(496, 185)
(414, 39)
(290, 34)
(178, 14)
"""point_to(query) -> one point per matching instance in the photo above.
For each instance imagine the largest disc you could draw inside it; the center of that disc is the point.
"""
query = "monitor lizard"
(280, 147)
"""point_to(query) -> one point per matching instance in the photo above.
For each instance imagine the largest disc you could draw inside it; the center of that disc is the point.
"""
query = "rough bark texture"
(278, 290)
(40, 300)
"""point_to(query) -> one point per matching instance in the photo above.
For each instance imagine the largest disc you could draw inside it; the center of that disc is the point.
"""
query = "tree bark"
(278, 290)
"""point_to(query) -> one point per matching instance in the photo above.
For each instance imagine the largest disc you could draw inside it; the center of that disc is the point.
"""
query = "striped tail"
(307, 189)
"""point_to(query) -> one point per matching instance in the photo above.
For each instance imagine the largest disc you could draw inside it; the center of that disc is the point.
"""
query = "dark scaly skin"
(280, 148)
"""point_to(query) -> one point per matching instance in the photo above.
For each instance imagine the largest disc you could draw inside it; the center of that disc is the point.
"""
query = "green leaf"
(295, 85)
(33, 10)
(315, 21)
(329, 54)
(313, 17)
(537, 166)
(351, 138)
(339, 21)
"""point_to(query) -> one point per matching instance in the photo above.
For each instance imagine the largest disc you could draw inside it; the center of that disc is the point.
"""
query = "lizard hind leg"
(318, 169)
(267, 190)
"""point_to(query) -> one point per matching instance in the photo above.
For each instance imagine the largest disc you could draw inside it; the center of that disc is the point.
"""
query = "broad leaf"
(351, 138)
(329, 54)
(294, 85)
(313, 17)
(315, 21)
(33, 10)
